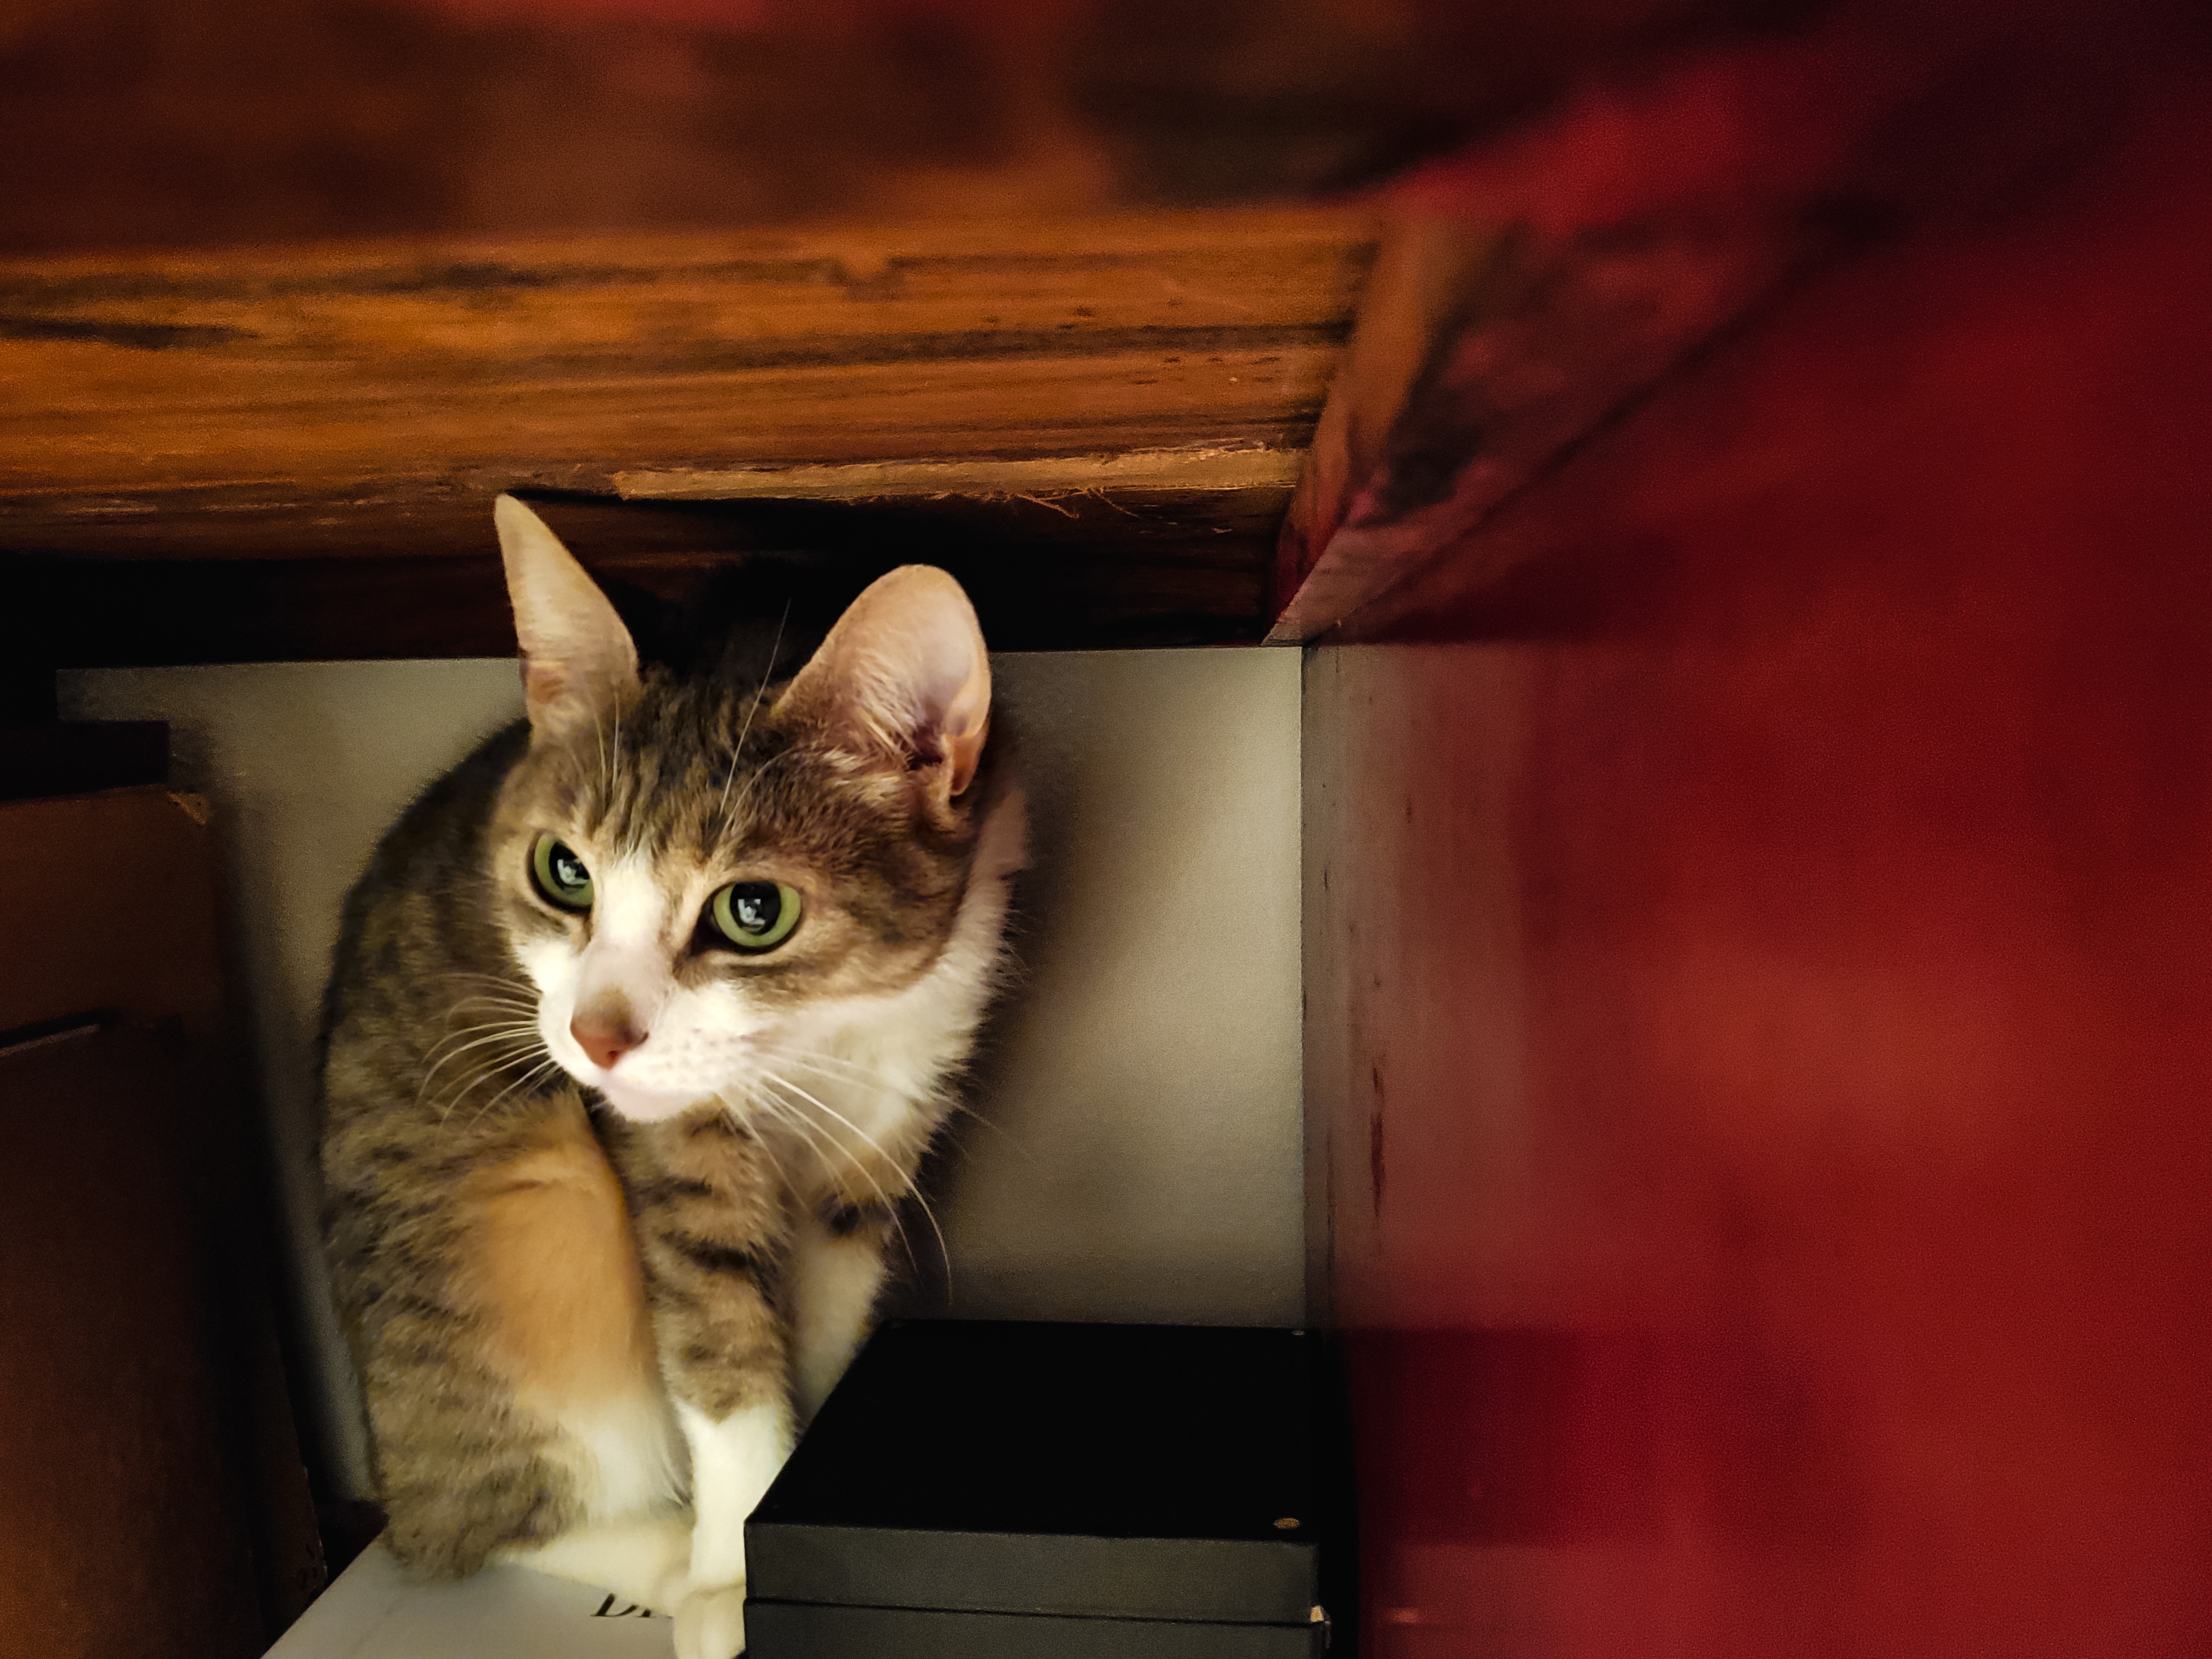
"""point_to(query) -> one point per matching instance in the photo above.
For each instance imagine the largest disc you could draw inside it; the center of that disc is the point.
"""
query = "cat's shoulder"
(447, 817)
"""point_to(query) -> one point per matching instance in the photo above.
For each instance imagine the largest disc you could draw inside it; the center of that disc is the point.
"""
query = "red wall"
(1758, 1022)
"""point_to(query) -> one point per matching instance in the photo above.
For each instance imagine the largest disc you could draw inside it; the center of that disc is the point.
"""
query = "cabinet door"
(123, 1527)
(152, 1500)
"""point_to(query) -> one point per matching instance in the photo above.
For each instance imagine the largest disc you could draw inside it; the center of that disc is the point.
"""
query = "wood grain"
(1122, 398)
(281, 387)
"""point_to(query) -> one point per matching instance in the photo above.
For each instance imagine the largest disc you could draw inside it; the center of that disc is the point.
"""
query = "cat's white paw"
(710, 1624)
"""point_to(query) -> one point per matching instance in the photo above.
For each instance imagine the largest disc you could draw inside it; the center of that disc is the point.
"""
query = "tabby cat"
(640, 1021)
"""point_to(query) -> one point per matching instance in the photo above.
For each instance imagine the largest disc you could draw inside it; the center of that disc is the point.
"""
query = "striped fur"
(590, 1304)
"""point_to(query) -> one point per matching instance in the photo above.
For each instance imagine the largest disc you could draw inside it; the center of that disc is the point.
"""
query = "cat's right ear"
(577, 657)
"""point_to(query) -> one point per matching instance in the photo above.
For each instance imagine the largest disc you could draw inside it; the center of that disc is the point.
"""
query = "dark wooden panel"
(122, 1519)
(1040, 592)
(131, 123)
(153, 1443)
(80, 906)
(49, 758)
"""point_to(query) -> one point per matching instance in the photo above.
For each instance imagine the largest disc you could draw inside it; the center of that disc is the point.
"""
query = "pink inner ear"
(541, 683)
(948, 679)
(965, 754)
(576, 654)
(967, 722)
(905, 671)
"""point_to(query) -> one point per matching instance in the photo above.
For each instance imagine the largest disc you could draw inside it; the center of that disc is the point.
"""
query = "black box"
(994, 1491)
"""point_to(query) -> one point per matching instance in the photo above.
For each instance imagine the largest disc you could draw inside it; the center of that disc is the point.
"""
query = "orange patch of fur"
(557, 1273)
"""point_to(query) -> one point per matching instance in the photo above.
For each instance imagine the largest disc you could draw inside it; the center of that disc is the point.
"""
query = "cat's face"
(708, 884)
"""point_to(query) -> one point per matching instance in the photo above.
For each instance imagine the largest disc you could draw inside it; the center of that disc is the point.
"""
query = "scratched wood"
(1127, 397)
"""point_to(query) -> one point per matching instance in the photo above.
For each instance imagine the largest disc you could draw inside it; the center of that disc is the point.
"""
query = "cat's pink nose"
(606, 1033)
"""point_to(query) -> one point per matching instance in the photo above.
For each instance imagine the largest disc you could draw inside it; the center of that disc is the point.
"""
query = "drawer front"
(801, 1630)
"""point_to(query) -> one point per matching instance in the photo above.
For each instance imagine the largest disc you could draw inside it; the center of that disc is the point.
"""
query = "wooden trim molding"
(1127, 398)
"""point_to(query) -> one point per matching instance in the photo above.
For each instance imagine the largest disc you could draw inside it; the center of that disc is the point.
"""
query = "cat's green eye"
(755, 915)
(561, 879)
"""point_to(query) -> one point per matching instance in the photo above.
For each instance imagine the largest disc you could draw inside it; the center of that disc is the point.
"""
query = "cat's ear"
(903, 679)
(577, 657)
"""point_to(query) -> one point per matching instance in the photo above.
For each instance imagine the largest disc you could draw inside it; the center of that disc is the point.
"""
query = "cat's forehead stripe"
(672, 781)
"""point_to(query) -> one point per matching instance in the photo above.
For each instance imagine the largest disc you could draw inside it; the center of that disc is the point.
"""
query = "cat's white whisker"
(445, 1104)
(516, 1031)
(614, 752)
(889, 1162)
(606, 767)
(460, 1042)
(518, 1010)
(768, 673)
(548, 1065)
(493, 1066)
(845, 1070)
(853, 1069)
(787, 1111)
(508, 980)
(758, 773)
(513, 1022)
(498, 990)
(814, 1137)
(730, 1112)
(469, 1041)
(508, 998)
(844, 1162)
(870, 1078)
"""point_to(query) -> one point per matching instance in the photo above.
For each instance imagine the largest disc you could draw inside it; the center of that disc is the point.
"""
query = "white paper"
(377, 1611)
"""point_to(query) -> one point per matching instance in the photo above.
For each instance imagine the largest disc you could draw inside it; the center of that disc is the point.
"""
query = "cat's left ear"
(577, 657)
(903, 677)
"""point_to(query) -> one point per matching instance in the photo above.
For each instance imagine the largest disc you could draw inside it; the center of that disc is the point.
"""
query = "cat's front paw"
(710, 1624)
